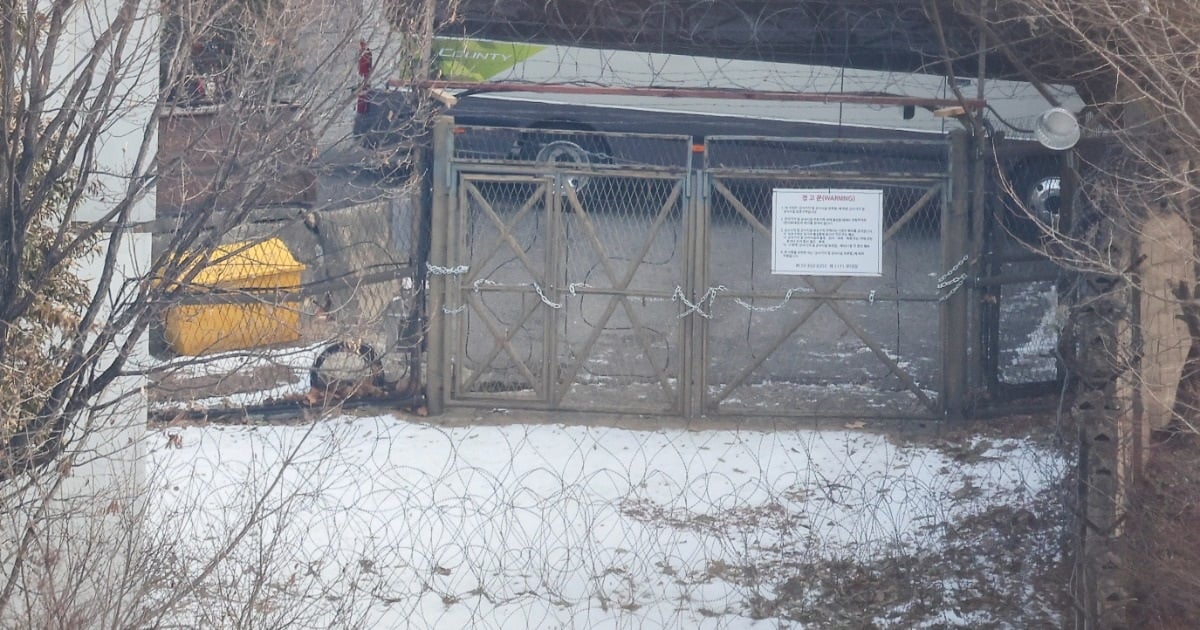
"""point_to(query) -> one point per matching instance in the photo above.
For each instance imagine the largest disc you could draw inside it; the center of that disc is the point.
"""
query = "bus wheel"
(347, 368)
(570, 154)
(1037, 184)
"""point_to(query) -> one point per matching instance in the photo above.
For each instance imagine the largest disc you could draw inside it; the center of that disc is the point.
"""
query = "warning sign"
(827, 232)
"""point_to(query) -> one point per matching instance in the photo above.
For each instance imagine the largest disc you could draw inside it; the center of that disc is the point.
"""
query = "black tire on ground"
(366, 363)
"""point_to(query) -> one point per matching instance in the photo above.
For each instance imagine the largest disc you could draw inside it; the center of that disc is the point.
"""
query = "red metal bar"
(859, 98)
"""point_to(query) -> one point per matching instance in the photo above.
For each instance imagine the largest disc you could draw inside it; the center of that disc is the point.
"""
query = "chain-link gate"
(823, 345)
(562, 277)
(608, 273)
(1021, 310)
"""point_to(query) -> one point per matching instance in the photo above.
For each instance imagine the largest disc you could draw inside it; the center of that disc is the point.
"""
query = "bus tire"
(554, 147)
(1035, 201)
(367, 369)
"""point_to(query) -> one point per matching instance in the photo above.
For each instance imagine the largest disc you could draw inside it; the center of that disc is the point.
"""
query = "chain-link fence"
(825, 343)
(636, 276)
(583, 276)
(298, 308)
(609, 272)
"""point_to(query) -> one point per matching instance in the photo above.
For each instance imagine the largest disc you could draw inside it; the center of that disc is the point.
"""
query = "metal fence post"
(953, 314)
(978, 358)
(437, 392)
(695, 330)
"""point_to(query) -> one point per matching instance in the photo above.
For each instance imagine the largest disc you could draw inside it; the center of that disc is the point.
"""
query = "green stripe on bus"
(475, 60)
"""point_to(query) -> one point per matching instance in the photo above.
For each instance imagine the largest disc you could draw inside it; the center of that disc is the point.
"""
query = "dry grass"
(1161, 544)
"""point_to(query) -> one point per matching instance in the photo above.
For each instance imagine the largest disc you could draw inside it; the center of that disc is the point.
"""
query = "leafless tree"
(1132, 242)
(209, 110)
(1135, 64)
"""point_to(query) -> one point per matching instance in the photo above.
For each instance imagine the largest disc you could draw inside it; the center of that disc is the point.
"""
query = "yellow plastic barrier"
(203, 329)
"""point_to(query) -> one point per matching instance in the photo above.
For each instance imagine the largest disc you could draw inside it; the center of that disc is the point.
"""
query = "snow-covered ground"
(1031, 320)
(387, 522)
(234, 379)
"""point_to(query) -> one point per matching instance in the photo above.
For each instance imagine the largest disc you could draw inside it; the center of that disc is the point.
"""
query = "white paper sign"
(827, 232)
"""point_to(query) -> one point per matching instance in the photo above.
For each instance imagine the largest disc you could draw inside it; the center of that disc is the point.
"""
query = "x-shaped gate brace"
(824, 296)
(503, 340)
(618, 290)
(474, 283)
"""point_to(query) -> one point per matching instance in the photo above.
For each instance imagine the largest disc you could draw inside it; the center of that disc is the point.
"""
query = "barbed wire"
(386, 519)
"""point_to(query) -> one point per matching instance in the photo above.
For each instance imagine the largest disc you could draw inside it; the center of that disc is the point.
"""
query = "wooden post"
(436, 348)
(952, 317)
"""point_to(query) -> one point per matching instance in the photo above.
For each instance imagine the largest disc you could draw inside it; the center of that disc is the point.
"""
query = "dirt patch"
(253, 378)
(1001, 566)
(1161, 548)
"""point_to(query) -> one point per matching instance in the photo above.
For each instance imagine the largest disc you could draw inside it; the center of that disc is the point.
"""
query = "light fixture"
(1057, 129)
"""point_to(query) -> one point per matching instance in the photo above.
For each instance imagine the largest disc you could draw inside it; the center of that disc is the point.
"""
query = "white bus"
(584, 89)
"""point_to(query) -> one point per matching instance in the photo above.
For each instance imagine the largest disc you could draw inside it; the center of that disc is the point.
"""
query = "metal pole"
(552, 269)
(978, 306)
(952, 317)
(695, 329)
(688, 341)
(704, 247)
(438, 362)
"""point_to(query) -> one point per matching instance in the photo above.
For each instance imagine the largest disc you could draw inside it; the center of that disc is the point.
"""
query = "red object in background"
(364, 70)
(364, 60)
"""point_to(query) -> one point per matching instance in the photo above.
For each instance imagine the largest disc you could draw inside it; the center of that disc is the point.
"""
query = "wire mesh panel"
(624, 260)
(481, 147)
(572, 259)
(1029, 324)
(821, 345)
(1023, 315)
(507, 258)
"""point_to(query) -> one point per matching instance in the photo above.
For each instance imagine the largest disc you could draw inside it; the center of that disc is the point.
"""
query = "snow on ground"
(1032, 320)
(233, 379)
(381, 522)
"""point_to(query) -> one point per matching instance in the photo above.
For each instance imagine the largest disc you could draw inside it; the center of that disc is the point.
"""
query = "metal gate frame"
(462, 298)
(823, 291)
(994, 275)
(455, 285)
(447, 294)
